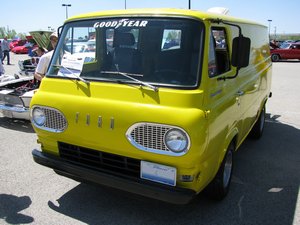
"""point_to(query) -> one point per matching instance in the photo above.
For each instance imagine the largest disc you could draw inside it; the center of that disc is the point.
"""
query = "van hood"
(99, 115)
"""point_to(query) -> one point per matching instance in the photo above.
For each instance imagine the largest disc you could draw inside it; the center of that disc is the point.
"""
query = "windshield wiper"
(70, 71)
(130, 76)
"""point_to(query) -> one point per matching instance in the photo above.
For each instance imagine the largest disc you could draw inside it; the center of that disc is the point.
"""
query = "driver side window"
(218, 62)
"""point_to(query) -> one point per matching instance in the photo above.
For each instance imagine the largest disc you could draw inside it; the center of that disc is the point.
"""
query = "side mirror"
(240, 51)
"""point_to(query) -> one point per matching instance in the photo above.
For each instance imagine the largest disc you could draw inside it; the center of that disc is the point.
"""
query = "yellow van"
(154, 102)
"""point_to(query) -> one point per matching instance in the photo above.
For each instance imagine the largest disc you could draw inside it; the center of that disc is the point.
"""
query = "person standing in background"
(2, 71)
(40, 51)
(5, 50)
(1, 53)
(44, 61)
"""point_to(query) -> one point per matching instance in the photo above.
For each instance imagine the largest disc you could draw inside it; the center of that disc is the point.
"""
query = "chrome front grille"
(149, 137)
(55, 120)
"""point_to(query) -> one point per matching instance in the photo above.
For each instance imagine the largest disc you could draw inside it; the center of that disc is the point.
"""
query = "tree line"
(10, 34)
(282, 37)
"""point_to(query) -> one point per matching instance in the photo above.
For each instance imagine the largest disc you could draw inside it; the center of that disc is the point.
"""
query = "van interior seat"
(126, 58)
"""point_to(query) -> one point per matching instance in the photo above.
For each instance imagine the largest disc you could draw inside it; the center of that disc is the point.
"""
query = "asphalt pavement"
(264, 190)
(14, 67)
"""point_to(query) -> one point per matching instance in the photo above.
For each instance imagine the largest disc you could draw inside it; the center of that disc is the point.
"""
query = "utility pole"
(66, 5)
(269, 28)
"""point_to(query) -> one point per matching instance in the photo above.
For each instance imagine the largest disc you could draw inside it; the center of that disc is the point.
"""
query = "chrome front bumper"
(14, 106)
(15, 112)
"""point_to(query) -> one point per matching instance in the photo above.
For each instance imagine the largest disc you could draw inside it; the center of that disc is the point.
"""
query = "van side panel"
(254, 80)
(234, 104)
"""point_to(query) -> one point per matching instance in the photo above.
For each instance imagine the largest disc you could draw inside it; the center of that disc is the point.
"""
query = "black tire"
(259, 126)
(275, 57)
(219, 186)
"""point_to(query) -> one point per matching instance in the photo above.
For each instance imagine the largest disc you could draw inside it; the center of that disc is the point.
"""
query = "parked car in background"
(24, 49)
(41, 38)
(286, 51)
(17, 90)
(15, 43)
(15, 96)
(91, 45)
(77, 47)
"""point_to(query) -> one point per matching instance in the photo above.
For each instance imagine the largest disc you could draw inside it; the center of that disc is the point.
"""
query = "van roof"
(161, 12)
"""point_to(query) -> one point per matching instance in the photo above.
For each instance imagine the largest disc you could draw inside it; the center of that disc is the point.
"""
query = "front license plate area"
(158, 173)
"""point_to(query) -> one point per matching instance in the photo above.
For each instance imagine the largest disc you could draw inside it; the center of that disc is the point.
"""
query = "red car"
(24, 49)
(288, 51)
(16, 43)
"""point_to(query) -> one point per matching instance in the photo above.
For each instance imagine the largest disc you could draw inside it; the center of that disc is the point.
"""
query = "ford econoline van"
(159, 103)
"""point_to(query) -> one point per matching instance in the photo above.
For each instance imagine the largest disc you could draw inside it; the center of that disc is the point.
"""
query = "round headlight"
(176, 140)
(38, 116)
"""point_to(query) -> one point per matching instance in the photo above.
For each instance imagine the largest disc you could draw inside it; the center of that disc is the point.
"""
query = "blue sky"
(39, 15)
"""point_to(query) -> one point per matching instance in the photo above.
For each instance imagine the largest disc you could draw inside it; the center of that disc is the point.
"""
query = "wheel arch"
(232, 137)
(262, 105)
(218, 187)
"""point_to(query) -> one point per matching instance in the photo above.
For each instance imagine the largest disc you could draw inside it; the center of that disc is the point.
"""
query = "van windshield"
(156, 51)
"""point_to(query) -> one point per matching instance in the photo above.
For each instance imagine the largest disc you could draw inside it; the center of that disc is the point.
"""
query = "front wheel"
(275, 58)
(219, 186)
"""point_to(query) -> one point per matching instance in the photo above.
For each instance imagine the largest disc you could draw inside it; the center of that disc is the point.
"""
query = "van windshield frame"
(164, 51)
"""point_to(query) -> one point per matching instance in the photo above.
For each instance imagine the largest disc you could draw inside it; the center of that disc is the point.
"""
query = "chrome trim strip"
(99, 121)
(14, 108)
(112, 123)
(48, 129)
(87, 119)
(77, 117)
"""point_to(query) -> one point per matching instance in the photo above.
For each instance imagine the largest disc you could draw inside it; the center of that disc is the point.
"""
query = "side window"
(78, 39)
(212, 66)
(219, 54)
(171, 40)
